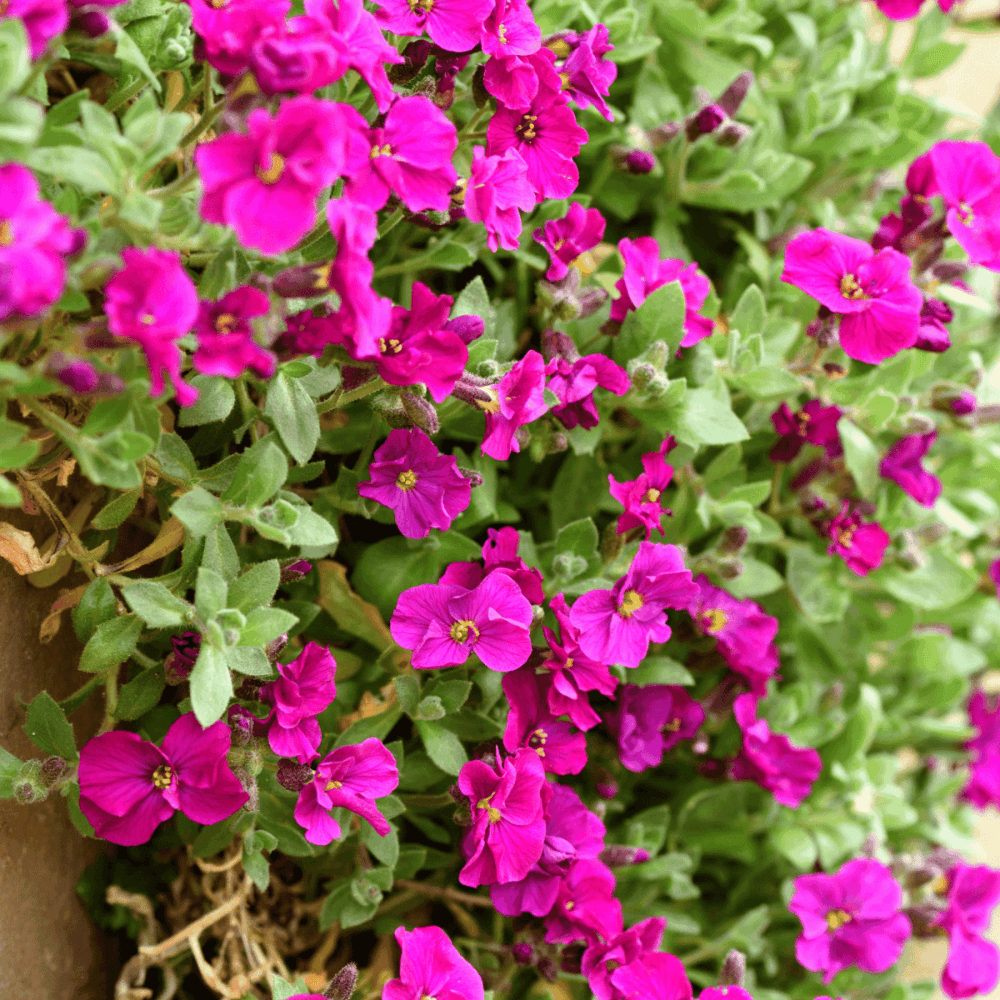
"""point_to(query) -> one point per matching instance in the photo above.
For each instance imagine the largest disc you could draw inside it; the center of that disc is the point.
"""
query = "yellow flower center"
(836, 919)
(425, 5)
(671, 727)
(651, 496)
(385, 150)
(850, 288)
(147, 319)
(537, 741)
(494, 814)
(569, 905)
(274, 171)
(527, 127)
(940, 886)
(502, 34)
(406, 480)
(460, 630)
(845, 536)
(322, 282)
(6, 233)
(715, 619)
(392, 344)
(225, 323)
(631, 602)
(491, 405)
(163, 777)
(334, 784)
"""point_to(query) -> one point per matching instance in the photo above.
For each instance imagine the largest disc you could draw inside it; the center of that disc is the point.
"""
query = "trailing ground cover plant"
(523, 481)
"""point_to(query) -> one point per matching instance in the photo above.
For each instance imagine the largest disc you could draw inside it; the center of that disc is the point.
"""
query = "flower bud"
(555, 344)
(917, 423)
(420, 412)
(77, 375)
(589, 300)
(642, 375)
(474, 477)
(963, 404)
(663, 134)
(537, 615)
(730, 569)
(524, 953)
(733, 540)
(834, 371)
(488, 368)
(733, 96)
(703, 122)
(632, 161)
(548, 969)
(180, 661)
(275, 647)
(249, 784)
(604, 782)
(51, 770)
(293, 776)
(294, 569)
(303, 282)
(732, 134)
(947, 271)
(734, 967)
(342, 985)
(620, 855)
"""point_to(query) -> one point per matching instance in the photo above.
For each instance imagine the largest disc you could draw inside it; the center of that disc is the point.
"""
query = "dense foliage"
(557, 456)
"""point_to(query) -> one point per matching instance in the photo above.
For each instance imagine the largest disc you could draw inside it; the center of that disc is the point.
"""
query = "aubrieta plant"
(524, 479)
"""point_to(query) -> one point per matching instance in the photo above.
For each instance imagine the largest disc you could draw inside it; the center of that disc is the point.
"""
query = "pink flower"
(265, 183)
(455, 25)
(584, 905)
(933, 335)
(642, 497)
(851, 918)
(902, 465)
(410, 156)
(497, 188)
(34, 239)
(531, 725)
(153, 302)
(770, 760)
(352, 778)
(547, 137)
(499, 556)
(572, 833)
(861, 546)
(299, 55)
(656, 976)
(519, 400)
(304, 688)
(573, 673)
(367, 48)
(983, 787)
(645, 272)
(516, 80)
(617, 625)
(915, 208)
(968, 178)
(649, 721)
(602, 959)
(508, 818)
(878, 303)
(225, 339)
(129, 786)
(229, 30)
(511, 30)
(587, 76)
(565, 239)
(423, 487)
(574, 382)
(973, 964)
(43, 20)
(899, 10)
(743, 633)
(814, 424)
(430, 966)
(443, 624)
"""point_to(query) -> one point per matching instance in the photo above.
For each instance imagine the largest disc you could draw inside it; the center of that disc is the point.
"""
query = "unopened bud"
(834, 371)
(303, 282)
(949, 270)
(275, 647)
(52, 769)
(642, 375)
(180, 661)
(732, 134)
(704, 121)
(294, 569)
(917, 423)
(522, 436)
(870, 846)
(342, 985)
(488, 368)
(537, 615)
(662, 134)
(620, 855)
(733, 540)
(421, 412)
(589, 300)
(27, 792)
(474, 477)
(605, 783)
(734, 969)
(734, 95)
(77, 375)
(524, 953)
(963, 404)
(556, 344)
(548, 969)
(558, 442)
(632, 161)
(294, 776)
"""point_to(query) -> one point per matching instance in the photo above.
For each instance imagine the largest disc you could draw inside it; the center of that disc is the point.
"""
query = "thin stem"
(317, 232)
(600, 177)
(110, 700)
(366, 452)
(444, 892)
(390, 223)
(368, 105)
(39, 67)
(204, 123)
(779, 470)
(119, 98)
(179, 184)
(354, 395)
(144, 661)
(470, 126)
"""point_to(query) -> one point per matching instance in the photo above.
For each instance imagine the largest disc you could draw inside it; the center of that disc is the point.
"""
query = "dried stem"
(443, 892)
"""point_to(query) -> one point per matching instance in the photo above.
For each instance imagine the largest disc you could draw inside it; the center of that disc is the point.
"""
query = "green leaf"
(750, 313)
(10, 768)
(795, 844)
(49, 729)
(210, 594)
(84, 168)
(701, 418)
(860, 456)
(140, 695)
(385, 849)
(97, 605)
(128, 52)
(660, 670)
(312, 531)
(294, 415)
(155, 605)
(249, 660)
(474, 300)
(756, 579)
(265, 624)
(941, 582)
(259, 475)
(660, 317)
(257, 867)
(378, 726)
(15, 56)
(813, 580)
(407, 692)
(216, 400)
(281, 989)
(211, 685)
(10, 495)
(117, 511)
(112, 643)
(198, 511)
(256, 587)
(443, 747)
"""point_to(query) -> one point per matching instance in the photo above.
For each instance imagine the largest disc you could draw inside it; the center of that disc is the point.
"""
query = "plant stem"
(345, 399)
(119, 98)
(444, 892)
(110, 699)
(180, 183)
(390, 223)
(144, 661)
(470, 126)
(204, 123)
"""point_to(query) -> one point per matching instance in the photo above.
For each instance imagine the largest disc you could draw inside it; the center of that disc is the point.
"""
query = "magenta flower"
(878, 303)
(574, 382)
(770, 760)
(43, 20)
(420, 485)
(860, 545)
(743, 633)
(565, 239)
(511, 30)
(34, 239)
(352, 778)
(642, 497)
(508, 818)
(430, 966)
(182, 657)
(129, 786)
(964, 403)
(902, 465)
(299, 56)
(619, 948)
(229, 30)
(265, 183)
(531, 725)
(410, 156)
(366, 46)
(655, 976)
(444, 623)
(304, 688)
(418, 347)
(933, 334)
(519, 400)
(617, 625)
(967, 175)
(153, 302)
(973, 964)
(225, 339)
(586, 74)
(497, 188)
(649, 721)
(455, 25)
(645, 272)
(983, 787)
(814, 424)
(585, 904)
(915, 208)
(851, 918)
(515, 81)
(499, 556)
(547, 137)
(572, 833)
(573, 673)
(984, 716)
